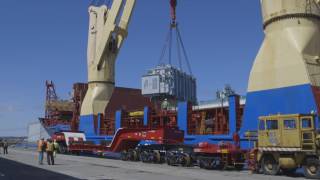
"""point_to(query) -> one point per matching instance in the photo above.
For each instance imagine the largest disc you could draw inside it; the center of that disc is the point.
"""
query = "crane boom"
(105, 38)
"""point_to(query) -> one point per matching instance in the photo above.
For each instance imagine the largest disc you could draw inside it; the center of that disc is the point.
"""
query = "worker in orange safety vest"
(41, 149)
(50, 149)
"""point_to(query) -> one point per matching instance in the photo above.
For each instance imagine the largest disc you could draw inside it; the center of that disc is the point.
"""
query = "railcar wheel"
(186, 160)
(156, 157)
(124, 155)
(133, 155)
(205, 163)
(170, 159)
(239, 167)
(221, 166)
(270, 165)
(136, 155)
(144, 156)
(201, 164)
(311, 168)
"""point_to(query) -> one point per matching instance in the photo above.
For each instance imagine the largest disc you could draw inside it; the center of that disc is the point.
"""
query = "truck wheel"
(311, 168)
(269, 165)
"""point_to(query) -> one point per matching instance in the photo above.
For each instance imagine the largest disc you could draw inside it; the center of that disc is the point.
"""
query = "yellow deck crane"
(105, 39)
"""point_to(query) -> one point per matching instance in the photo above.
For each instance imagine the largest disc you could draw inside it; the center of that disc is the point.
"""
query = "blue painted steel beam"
(233, 101)
(86, 125)
(99, 124)
(183, 117)
(194, 139)
(145, 116)
(118, 120)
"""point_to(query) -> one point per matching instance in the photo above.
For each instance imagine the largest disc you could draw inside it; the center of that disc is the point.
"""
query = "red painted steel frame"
(217, 119)
(79, 92)
(126, 139)
(229, 153)
(207, 148)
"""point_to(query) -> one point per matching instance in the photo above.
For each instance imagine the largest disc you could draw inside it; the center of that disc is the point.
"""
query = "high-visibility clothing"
(50, 147)
(40, 145)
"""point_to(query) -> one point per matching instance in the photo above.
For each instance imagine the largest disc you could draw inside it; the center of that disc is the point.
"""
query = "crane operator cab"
(288, 142)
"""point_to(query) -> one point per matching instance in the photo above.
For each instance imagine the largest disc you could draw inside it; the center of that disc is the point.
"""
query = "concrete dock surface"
(23, 164)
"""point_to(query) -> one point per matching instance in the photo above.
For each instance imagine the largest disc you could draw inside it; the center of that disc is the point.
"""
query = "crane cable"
(164, 48)
(184, 50)
(170, 46)
(179, 52)
(179, 42)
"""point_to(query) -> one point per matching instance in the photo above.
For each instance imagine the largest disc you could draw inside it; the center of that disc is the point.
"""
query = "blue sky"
(47, 40)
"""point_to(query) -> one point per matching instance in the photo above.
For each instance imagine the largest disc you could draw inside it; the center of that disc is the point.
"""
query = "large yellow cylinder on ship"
(285, 76)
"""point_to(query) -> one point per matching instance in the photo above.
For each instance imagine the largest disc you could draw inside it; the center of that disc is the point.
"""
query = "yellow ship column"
(285, 76)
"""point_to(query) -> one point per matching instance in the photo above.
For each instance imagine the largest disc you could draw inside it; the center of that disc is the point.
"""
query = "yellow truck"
(286, 143)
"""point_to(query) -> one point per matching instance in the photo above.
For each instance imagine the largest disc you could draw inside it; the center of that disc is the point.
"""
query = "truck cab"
(292, 132)
(287, 142)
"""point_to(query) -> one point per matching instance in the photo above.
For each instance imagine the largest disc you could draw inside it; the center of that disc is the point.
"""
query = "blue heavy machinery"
(212, 123)
(202, 124)
(283, 80)
(182, 119)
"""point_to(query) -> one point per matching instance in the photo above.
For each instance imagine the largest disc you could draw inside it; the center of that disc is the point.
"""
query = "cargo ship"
(63, 115)
(93, 106)
(209, 117)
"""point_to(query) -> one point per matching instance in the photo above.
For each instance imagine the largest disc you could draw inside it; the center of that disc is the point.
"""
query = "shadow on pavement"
(11, 170)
